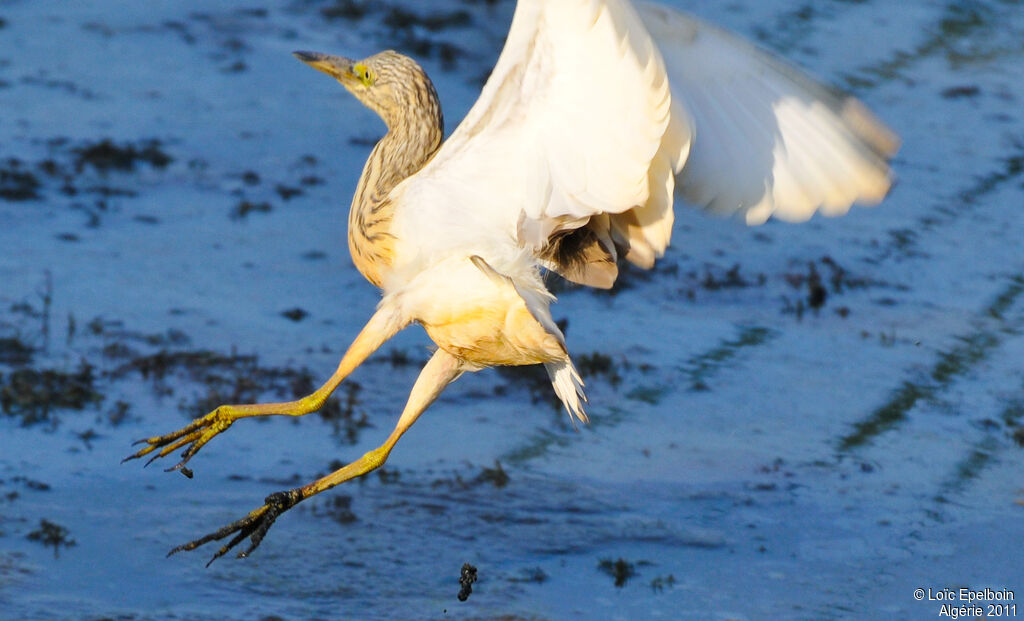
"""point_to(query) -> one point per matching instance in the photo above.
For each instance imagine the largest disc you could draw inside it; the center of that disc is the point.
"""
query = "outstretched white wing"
(570, 125)
(768, 140)
(572, 148)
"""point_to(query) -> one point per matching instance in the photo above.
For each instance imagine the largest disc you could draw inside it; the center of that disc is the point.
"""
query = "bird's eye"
(362, 73)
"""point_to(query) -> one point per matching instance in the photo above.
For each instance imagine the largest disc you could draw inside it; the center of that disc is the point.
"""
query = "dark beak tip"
(306, 57)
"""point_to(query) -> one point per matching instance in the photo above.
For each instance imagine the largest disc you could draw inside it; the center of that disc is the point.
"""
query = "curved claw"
(196, 434)
(254, 526)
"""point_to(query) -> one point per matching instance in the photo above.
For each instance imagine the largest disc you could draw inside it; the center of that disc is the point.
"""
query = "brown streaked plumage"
(396, 88)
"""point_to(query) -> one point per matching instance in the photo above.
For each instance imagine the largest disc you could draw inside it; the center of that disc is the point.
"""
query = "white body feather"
(598, 110)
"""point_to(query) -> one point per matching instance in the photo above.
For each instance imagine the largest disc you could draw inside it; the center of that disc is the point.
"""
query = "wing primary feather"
(767, 138)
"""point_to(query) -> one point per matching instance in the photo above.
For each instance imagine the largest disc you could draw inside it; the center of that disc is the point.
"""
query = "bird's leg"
(440, 370)
(384, 324)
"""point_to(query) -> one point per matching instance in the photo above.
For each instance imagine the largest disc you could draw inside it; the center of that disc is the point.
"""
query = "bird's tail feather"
(569, 388)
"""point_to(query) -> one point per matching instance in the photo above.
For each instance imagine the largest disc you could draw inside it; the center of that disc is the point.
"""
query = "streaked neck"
(414, 136)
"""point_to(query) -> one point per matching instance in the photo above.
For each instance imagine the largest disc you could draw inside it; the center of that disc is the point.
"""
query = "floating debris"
(33, 394)
(402, 19)
(621, 570)
(346, 9)
(595, 363)
(106, 155)
(245, 207)
(496, 475)
(959, 92)
(338, 507)
(15, 352)
(661, 582)
(17, 184)
(52, 535)
(287, 192)
(295, 314)
(466, 579)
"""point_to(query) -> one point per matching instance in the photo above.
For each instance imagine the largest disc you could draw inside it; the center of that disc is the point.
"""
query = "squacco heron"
(596, 115)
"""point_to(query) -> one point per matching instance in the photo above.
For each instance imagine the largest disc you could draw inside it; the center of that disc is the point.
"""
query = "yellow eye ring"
(363, 74)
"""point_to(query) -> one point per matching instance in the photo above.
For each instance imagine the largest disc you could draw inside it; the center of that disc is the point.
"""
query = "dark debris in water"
(78, 174)
(106, 155)
(52, 535)
(109, 353)
(399, 358)
(338, 507)
(239, 378)
(399, 18)
(259, 194)
(961, 91)
(421, 33)
(486, 477)
(9, 496)
(825, 279)
(287, 192)
(32, 484)
(661, 583)
(1013, 418)
(495, 476)
(534, 379)
(246, 207)
(620, 570)
(596, 364)
(16, 183)
(346, 9)
(468, 575)
(33, 395)
(818, 282)
(715, 279)
(341, 411)
(295, 314)
(15, 352)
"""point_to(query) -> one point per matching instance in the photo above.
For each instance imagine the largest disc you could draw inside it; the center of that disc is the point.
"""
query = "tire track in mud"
(902, 242)
(985, 451)
(992, 327)
(957, 24)
(961, 32)
(964, 34)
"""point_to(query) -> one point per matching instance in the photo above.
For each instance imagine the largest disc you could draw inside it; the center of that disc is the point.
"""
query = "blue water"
(747, 459)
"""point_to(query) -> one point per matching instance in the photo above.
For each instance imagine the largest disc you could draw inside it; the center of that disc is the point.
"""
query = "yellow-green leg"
(440, 370)
(382, 326)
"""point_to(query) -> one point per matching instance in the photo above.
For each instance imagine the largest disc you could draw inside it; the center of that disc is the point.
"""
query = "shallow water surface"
(173, 191)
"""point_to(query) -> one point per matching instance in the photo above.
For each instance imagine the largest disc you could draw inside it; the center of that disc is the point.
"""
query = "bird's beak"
(337, 67)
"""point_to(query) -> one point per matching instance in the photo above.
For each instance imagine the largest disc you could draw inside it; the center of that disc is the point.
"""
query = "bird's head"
(388, 83)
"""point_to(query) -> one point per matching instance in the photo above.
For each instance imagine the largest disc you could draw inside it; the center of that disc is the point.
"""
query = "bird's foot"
(254, 526)
(196, 434)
